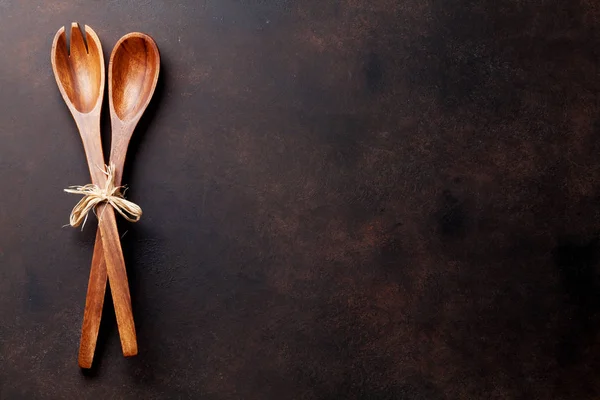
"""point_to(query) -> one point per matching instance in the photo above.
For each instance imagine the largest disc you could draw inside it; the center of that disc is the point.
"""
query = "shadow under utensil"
(105, 128)
(138, 258)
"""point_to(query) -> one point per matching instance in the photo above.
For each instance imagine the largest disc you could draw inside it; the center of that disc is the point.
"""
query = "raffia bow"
(94, 195)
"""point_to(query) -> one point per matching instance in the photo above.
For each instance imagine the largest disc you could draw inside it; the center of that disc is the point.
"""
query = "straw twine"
(94, 195)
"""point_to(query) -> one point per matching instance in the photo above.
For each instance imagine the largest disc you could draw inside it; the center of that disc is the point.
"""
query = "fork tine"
(78, 45)
(60, 42)
(91, 40)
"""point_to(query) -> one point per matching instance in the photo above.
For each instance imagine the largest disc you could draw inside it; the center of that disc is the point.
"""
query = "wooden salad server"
(79, 73)
(132, 77)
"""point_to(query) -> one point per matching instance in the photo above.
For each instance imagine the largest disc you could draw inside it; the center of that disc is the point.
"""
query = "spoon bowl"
(133, 73)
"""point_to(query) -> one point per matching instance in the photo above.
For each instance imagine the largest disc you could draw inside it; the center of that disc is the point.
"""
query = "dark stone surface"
(342, 199)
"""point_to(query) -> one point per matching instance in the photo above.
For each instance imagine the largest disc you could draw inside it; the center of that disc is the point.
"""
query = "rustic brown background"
(342, 199)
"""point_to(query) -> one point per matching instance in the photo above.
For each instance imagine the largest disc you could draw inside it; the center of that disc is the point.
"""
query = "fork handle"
(94, 302)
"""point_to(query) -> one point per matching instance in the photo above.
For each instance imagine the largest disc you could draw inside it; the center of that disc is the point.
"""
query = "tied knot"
(94, 195)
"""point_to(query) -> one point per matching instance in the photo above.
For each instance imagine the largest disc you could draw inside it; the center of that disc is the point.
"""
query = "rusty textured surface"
(342, 199)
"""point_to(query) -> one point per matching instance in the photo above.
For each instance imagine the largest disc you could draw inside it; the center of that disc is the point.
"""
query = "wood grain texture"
(79, 72)
(132, 75)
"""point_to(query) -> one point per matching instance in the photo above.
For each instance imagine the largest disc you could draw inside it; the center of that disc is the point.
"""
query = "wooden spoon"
(80, 78)
(132, 77)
